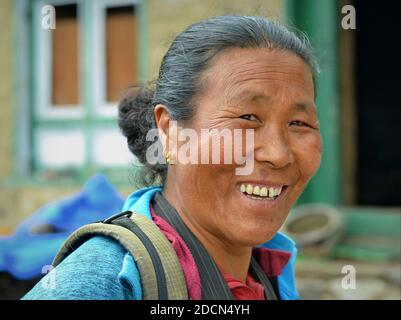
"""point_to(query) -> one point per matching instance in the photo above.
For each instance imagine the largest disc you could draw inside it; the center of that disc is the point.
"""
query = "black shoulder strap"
(261, 276)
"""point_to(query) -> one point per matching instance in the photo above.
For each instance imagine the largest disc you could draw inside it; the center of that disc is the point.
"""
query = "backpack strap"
(162, 277)
(257, 270)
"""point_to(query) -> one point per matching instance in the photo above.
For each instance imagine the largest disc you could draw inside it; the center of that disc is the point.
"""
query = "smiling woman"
(226, 73)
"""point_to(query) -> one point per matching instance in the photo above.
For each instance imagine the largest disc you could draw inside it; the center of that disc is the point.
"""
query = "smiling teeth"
(256, 191)
(249, 189)
(260, 191)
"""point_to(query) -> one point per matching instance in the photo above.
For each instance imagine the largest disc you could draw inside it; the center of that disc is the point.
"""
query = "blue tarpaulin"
(30, 250)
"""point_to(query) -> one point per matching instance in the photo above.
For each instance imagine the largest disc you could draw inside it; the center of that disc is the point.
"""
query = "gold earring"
(167, 158)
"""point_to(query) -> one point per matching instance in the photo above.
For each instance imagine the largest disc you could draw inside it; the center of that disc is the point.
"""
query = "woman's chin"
(255, 240)
(255, 223)
(252, 233)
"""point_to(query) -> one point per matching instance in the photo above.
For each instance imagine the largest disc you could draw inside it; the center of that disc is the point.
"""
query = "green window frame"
(94, 121)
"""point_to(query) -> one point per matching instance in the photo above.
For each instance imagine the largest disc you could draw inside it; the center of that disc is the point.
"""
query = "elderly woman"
(226, 73)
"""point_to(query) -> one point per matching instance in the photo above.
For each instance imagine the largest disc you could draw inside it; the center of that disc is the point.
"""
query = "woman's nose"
(272, 146)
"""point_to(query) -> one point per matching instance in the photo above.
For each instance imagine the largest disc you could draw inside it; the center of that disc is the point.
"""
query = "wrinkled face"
(272, 93)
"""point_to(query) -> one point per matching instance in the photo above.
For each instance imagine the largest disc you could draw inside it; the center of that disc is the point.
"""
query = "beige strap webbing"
(174, 276)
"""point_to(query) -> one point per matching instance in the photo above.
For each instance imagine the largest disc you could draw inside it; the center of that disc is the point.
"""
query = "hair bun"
(135, 119)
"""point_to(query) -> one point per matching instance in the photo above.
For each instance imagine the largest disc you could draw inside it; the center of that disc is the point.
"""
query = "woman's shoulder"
(99, 269)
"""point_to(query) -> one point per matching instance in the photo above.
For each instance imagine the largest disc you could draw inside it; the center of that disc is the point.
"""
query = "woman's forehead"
(260, 97)
(235, 69)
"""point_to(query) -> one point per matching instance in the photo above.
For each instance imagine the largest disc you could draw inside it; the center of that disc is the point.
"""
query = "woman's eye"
(249, 117)
(299, 123)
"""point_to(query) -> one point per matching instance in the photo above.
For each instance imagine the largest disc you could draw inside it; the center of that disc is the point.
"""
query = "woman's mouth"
(262, 192)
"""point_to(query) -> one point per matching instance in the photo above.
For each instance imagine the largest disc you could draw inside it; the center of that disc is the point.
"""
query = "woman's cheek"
(310, 155)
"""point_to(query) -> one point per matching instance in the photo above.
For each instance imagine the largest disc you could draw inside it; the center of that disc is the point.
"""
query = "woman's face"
(272, 93)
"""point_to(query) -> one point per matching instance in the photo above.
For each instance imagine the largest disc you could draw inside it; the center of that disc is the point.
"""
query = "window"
(64, 50)
(80, 69)
(121, 48)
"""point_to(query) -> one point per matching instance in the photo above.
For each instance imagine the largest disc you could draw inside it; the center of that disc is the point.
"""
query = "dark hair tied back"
(135, 119)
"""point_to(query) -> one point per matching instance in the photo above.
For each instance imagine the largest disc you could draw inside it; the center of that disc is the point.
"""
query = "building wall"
(19, 198)
(5, 87)
(9, 199)
(169, 17)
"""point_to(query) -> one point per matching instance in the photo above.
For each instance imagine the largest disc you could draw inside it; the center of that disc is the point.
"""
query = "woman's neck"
(231, 260)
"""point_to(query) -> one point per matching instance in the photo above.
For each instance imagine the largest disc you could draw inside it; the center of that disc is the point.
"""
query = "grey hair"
(182, 67)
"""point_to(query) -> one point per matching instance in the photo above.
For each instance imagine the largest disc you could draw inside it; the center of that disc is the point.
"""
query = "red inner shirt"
(271, 261)
(251, 290)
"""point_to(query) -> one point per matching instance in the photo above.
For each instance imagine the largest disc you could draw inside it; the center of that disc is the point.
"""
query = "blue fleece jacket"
(102, 269)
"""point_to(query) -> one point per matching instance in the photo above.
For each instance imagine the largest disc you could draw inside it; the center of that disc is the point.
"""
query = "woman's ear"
(162, 118)
(166, 127)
